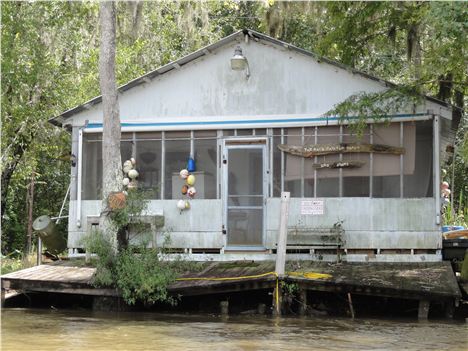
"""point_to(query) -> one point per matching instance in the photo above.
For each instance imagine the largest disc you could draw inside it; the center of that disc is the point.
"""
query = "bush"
(139, 272)
(144, 277)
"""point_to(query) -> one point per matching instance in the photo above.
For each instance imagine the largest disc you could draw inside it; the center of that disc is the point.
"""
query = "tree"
(112, 164)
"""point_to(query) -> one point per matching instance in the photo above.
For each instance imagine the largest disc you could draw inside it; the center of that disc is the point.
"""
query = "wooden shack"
(239, 107)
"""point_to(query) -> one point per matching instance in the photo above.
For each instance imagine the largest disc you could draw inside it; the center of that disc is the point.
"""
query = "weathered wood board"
(342, 164)
(432, 280)
(343, 148)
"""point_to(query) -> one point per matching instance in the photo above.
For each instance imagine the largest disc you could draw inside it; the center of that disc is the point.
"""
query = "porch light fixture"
(239, 62)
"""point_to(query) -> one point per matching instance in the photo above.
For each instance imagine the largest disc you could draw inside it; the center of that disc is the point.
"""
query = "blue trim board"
(250, 121)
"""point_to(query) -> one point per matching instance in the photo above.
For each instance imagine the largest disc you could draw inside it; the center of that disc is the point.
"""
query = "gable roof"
(60, 119)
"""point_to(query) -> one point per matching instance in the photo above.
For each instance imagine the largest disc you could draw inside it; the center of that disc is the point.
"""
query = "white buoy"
(133, 173)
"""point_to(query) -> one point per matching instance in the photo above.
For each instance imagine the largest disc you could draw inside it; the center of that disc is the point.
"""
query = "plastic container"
(449, 228)
(49, 234)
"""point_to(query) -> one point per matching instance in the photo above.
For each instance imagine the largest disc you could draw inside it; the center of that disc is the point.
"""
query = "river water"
(34, 329)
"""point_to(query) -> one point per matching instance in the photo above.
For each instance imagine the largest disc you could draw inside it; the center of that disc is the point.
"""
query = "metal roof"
(58, 120)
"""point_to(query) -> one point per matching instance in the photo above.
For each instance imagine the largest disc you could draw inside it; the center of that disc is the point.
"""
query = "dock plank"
(406, 280)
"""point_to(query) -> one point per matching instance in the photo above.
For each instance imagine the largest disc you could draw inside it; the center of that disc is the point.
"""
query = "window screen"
(148, 158)
(205, 145)
(417, 180)
(356, 179)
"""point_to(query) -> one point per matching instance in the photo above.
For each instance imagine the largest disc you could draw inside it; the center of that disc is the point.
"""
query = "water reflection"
(27, 329)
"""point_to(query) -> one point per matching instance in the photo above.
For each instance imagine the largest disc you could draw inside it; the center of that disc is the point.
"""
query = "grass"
(16, 261)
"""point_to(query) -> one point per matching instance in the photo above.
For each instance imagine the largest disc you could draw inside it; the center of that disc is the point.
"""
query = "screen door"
(245, 191)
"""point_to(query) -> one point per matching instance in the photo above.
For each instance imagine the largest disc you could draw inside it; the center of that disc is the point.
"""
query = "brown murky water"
(27, 329)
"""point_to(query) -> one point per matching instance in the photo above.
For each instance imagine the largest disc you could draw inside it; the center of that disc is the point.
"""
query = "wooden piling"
(350, 303)
(224, 307)
(449, 309)
(281, 250)
(282, 234)
(3, 296)
(261, 309)
(423, 309)
(277, 301)
(302, 302)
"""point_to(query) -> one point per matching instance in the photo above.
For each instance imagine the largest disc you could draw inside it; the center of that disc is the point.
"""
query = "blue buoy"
(191, 165)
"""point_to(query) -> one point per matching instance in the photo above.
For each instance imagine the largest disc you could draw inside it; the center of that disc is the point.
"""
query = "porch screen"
(177, 152)
(389, 173)
(419, 182)
(91, 176)
(205, 145)
(148, 158)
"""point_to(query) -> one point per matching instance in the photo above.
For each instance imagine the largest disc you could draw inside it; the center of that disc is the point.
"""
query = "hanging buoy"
(191, 165)
(181, 205)
(191, 180)
(184, 174)
(133, 173)
(191, 191)
(187, 205)
(184, 189)
(125, 181)
(127, 166)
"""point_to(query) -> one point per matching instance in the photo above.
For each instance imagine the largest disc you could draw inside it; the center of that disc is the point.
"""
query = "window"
(386, 167)
(148, 163)
(91, 177)
(417, 180)
(277, 163)
(328, 179)
(380, 175)
(356, 179)
(309, 170)
(177, 153)
(205, 145)
(293, 165)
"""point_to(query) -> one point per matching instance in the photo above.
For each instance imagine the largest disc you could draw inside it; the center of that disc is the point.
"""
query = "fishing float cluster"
(445, 190)
(188, 188)
(130, 174)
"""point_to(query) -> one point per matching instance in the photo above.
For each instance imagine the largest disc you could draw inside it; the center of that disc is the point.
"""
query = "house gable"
(284, 81)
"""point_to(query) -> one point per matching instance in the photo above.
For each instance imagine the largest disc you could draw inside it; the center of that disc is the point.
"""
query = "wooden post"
(303, 302)
(449, 309)
(423, 310)
(281, 249)
(261, 309)
(3, 296)
(350, 303)
(39, 251)
(282, 234)
(224, 307)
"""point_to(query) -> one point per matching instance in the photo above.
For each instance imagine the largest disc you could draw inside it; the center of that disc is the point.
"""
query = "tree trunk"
(112, 165)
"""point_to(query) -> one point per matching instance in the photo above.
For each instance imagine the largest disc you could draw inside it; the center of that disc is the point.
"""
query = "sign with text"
(312, 207)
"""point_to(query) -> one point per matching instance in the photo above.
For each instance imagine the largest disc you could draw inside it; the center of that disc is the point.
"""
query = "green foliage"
(143, 277)
(136, 204)
(50, 56)
(457, 214)
(17, 260)
(289, 288)
(104, 260)
(358, 108)
(139, 272)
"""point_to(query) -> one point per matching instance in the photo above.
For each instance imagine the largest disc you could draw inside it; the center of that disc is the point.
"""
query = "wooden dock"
(434, 281)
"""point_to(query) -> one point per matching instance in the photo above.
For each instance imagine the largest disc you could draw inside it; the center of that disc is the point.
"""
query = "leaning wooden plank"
(342, 164)
(343, 148)
(456, 234)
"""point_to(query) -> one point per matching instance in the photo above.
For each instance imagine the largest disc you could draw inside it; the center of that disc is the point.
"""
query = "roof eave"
(60, 119)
